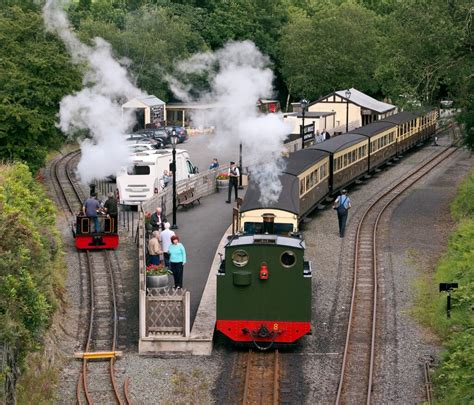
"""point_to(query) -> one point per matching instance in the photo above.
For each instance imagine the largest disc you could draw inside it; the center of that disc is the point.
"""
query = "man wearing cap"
(342, 204)
(233, 180)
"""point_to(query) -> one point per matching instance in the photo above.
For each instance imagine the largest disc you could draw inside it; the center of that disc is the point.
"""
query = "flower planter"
(222, 184)
(157, 281)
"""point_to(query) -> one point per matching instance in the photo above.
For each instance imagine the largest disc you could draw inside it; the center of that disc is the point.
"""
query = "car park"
(180, 131)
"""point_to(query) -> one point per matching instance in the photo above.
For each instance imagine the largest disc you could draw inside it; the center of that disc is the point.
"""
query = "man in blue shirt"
(342, 204)
(214, 164)
(90, 208)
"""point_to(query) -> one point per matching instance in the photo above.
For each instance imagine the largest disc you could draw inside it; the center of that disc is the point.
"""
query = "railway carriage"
(305, 181)
(427, 124)
(85, 239)
(348, 159)
(264, 290)
(382, 142)
(407, 128)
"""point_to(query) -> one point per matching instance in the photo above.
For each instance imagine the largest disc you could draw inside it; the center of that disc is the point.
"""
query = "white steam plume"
(239, 76)
(95, 107)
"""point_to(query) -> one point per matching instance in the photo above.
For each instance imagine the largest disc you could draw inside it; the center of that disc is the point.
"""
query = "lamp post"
(240, 167)
(303, 104)
(174, 141)
(348, 96)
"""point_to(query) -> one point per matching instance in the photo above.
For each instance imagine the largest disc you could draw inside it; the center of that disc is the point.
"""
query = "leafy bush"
(30, 261)
(453, 379)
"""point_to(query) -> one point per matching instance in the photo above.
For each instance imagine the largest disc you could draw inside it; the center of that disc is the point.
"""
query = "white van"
(142, 179)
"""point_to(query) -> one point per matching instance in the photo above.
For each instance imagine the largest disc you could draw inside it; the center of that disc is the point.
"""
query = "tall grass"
(454, 378)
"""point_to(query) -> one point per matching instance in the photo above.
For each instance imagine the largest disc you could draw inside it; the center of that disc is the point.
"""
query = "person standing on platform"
(325, 135)
(214, 164)
(177, 261)
(234, 174)
(342, 204)
(157, 220)
(154, 248)
(166, 236)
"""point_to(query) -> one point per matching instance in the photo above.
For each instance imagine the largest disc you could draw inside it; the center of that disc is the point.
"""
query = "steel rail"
(258, 387)
(409, 180)
(82, 381)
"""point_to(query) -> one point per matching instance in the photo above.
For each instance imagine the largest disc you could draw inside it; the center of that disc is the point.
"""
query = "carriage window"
(288, 259)
(240, 258)
(302, 189)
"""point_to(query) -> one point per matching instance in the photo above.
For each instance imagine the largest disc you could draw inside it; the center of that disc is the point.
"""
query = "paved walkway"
(200, 229)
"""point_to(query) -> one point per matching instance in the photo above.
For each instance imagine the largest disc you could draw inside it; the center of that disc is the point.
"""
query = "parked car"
(158, 134)
(180, 131)
(144, 138)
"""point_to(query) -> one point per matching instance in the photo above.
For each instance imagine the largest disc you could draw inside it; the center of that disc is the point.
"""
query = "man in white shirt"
(166, 242)
(234, 174)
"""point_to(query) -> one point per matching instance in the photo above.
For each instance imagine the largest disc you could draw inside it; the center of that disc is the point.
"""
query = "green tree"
(35, 73)
(153, 39)
(334, 48)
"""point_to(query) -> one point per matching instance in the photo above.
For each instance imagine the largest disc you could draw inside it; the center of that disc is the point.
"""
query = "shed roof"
(337, 143)
(360, 99)
(148, 100)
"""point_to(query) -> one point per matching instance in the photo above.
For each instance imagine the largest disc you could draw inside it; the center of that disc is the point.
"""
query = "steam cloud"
(239, 76)
(96, 106)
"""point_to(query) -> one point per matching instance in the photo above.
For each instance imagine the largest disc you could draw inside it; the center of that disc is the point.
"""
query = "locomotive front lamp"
(348, 96)
(174, 141)
(303, 104)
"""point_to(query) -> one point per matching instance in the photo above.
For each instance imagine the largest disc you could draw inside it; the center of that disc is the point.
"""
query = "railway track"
(97, 380)
(259, 375)
(356, 379)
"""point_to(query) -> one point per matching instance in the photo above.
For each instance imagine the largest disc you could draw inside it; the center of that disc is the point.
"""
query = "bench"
(187, 198)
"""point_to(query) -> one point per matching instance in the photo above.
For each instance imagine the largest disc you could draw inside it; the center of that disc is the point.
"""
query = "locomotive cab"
(106, 239)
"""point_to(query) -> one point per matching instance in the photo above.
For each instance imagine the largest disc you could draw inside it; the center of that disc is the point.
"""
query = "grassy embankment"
(32, 275)
(454, 377)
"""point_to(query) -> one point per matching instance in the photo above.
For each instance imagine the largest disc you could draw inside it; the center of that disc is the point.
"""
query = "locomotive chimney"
(268, 223)
(92, 189)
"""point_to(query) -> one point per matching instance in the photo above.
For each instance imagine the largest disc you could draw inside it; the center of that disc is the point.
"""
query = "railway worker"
(234, 174)
(110, 205)
(154, 248)
(91, 208)
(177, 261)
(166, 242)
(158, 220)
(214, 164)
(342, 204)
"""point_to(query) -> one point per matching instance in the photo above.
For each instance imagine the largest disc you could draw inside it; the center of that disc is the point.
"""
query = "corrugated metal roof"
(361, 99)
(150, 100)
(336, 143)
